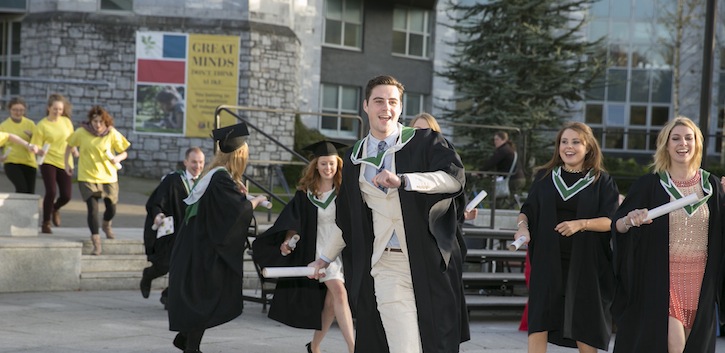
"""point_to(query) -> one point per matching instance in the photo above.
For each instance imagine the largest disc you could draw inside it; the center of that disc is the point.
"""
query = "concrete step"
(117, 280)
(116, 247)
(111, 263)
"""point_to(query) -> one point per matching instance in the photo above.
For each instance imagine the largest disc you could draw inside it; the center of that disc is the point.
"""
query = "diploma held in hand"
(292, 242)
(299, 271)
(671, 206)
(266, 204)
(110, 156)
(476, 200)
(517, 244)
(39, 159)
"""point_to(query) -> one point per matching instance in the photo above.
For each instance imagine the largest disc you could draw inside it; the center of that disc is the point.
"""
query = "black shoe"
(163, 301)
(180, 341)
(145, 285)
(309, 350)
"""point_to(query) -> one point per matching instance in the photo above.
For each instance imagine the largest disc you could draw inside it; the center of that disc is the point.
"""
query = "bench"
(504, 280)
(482, 302)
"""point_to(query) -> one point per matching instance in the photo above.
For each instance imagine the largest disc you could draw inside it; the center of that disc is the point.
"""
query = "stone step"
(116, 247)
(110, 263)
(117, 280)
(480, 302)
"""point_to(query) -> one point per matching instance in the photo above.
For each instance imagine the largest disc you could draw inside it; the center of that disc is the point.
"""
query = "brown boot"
(107, 229)
(96, 239)
(56, 218)
(45, 228)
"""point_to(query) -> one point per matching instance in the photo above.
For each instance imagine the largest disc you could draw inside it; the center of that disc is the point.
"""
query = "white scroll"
(292, 243)
(671, 206)
(476, 200)
(266, 204)
(165, 228)
(517, 244)
(39, 159)
(110, 156)
(299, 271)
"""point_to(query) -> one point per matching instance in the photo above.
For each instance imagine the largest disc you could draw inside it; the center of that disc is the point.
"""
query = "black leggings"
(52, 175)
(22, 177)
(92, 206)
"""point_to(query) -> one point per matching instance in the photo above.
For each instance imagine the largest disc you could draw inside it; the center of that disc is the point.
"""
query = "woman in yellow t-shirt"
(50, 136)
(20, 166)
(102, 150)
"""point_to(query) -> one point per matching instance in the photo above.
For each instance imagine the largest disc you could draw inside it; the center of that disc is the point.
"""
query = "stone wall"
(101, 47)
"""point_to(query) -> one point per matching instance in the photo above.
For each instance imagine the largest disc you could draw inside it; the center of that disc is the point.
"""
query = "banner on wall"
(181, 79)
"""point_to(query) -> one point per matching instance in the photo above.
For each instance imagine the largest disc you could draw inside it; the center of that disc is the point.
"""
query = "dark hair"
(16, 100)
(192, 149)
(166, 96)
(97, 110)
(383, 80)
(592, 160)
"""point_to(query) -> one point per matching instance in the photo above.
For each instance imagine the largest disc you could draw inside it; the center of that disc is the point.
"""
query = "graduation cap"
(231, 137)
(324, 148)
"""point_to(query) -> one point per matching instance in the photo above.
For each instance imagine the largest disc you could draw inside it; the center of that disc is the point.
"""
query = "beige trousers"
(396, 302)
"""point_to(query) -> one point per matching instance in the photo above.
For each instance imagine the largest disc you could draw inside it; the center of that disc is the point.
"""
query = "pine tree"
(522, 63)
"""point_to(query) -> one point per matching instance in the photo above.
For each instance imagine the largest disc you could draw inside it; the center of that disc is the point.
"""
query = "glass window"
(117, 5)
(639, 89)
(660, 116)
(615, 115)
(596, 91)
(621, 8)
(637, 139)
(412, 104)
(617, 87)
(614, 139)
(594, 113)
(600, 8)
(337, 99)
(643, 9)
(343, 23)
(598, 29)
(411, 32)
(618, 55)
(14, 5)
(10, 57)
(661, 86)
(638, 115)
(619, 32)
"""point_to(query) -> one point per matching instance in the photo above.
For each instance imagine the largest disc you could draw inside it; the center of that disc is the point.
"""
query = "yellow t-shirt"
(94, 166)
(4, 138)
(19, 154)
(55, 133)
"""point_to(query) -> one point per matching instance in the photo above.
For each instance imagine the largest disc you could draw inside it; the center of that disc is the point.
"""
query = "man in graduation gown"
(398, 219)
(167, 200)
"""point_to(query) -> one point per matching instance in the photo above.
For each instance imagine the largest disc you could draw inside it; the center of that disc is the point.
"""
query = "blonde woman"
(53, 131)
(213, 234)
(669, 269)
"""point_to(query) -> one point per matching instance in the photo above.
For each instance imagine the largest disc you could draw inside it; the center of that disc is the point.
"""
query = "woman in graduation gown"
(669, 269)
(205, 275)
(566, 219)
(303, 302)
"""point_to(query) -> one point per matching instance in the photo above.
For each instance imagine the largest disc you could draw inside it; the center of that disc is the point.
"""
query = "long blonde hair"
(235, 162)
(311, 177)
(428, 119)
(662, 161)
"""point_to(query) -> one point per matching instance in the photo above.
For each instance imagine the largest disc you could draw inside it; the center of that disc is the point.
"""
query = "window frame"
(427, 35)
(343, 22)
(339, 132)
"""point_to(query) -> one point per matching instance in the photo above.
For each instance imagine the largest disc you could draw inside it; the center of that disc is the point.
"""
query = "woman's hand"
(637, 218)
(257, 200)
(68, 170)
(469, 215)
(318, 264)
(569, 228)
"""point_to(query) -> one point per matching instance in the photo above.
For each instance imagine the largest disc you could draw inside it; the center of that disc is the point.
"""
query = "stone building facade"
(100, 47)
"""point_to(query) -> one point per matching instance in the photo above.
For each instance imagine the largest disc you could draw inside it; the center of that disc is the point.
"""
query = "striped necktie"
(382, 146)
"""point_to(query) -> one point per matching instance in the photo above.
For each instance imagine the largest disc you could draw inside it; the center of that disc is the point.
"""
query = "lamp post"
(707, 72)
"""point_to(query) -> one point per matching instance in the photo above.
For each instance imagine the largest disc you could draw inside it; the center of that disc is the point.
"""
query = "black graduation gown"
(297, 302)
(167, 198)
(434, 251)
(641, 307)
(584, 314)
(205, 277)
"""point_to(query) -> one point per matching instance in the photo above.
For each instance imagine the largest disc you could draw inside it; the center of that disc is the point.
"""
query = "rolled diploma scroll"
(517, 243)
(266, 204)
(39, 159)
(671, 206)
(299, 271)
(110, 156)
(476, 200)
(292, 243)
